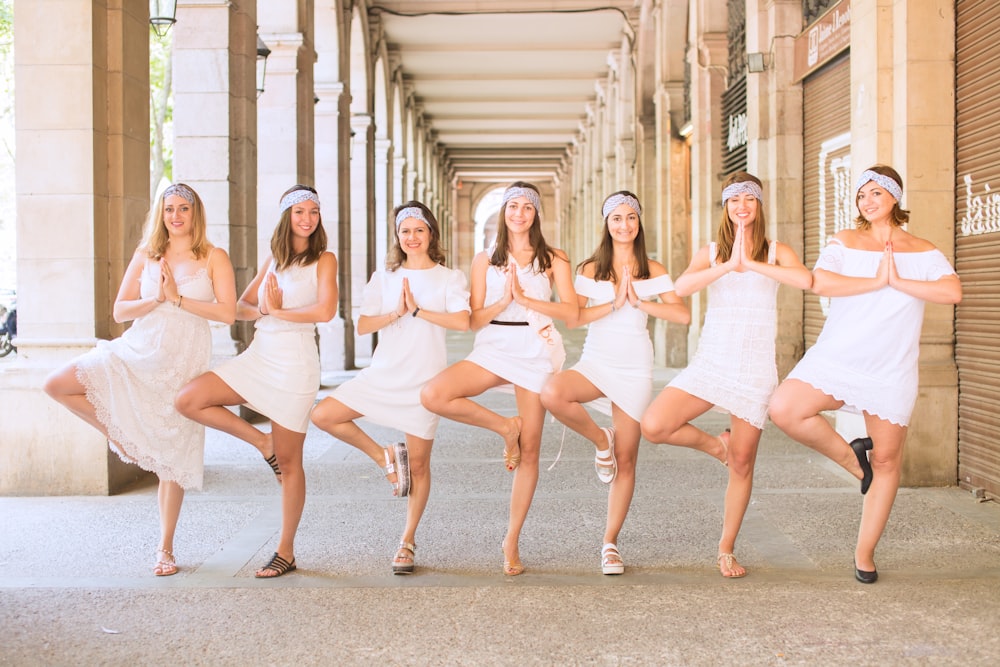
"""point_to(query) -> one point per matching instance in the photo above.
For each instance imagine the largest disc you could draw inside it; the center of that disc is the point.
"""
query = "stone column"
(82, 122)
(215, 131)
(362, 241)
(384, 227)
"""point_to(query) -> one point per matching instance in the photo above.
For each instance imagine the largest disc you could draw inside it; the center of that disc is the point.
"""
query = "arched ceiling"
(504, 84)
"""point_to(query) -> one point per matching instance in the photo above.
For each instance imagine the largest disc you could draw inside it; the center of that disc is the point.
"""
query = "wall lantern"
(162, 15)
(262, 53)
(756, 62)
(350, 146)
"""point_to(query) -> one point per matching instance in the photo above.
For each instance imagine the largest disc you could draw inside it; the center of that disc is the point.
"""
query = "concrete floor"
(76, 586)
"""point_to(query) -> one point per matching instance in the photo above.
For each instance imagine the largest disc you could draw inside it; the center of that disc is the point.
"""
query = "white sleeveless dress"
(867, 353)
(132, 380)
(410, 351)
(525, 356)
(278, 375)
(734, 367)
(617, 354)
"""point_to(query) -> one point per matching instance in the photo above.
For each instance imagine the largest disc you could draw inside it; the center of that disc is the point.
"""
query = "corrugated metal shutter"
(977, 242)
(826, 154)
(734, 115)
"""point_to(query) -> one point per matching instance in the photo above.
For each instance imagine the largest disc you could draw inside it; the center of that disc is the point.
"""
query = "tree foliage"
(161, 110)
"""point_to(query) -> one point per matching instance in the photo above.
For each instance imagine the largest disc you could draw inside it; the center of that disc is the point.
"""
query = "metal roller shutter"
(977, 242)
(826, 170)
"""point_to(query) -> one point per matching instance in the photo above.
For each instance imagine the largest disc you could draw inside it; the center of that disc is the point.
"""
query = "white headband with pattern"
(522, 192)
(180, 190)
(614, 201)
(886, 183)
(411, 212)
(297, 197)
(742, 187)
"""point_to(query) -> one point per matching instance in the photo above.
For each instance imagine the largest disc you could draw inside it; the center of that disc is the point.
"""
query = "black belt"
(509, 324)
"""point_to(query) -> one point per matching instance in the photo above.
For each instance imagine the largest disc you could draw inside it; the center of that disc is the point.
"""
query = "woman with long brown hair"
(278, 375)
(734, 369)
(176, 282)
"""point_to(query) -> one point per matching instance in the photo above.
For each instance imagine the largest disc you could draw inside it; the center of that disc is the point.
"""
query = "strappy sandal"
(273, 462)
(510, 569)
(611, 559)
(278, 565)
(731, 563)
(725, 445)
(606, 466)
(404, 564)
(511, 461)
(164, 567)
(400, 460)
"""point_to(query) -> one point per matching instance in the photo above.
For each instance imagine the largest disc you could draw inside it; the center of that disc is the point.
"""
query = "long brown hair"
(281, 241)
(542, 251)
(396, 255)
(603, 257)
(898, 216)
(155, 238)
(726, 233)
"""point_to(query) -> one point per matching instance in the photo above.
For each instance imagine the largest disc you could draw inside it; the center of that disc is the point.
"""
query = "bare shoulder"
(905, 242)
(588, 270)
(559, 254)
(656, 269)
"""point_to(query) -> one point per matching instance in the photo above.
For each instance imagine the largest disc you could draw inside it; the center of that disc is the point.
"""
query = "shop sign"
(823, 40)
(982, 212)
(737, 131)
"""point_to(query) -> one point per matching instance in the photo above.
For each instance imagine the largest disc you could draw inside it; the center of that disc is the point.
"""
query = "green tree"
(161, 108)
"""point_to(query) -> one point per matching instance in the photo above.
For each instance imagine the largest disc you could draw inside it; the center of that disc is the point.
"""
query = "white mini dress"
(617, 354)
(278, 375)
(867, 353)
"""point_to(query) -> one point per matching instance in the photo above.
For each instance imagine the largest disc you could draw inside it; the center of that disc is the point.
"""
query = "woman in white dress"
(411, 303)
(734, 368)
(516, 343)
(615, 289)
(278, 375)
(878, 277)
(176, 282)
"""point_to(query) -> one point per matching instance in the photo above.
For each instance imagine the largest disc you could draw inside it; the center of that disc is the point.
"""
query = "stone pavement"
(76, 586)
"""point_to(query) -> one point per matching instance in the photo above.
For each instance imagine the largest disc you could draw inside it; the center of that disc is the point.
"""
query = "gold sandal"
(404, 564)
(731, 565)
(165, 567)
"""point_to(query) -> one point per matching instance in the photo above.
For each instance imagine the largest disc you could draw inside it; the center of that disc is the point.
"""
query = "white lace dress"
(278, 375)
(410, 351)
(734, 367)
(525, 356)
(867, 354)
(617, 354)
(131, 381)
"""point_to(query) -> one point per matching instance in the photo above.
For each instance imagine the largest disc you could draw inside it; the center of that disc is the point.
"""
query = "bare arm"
(567, 308)
(481, 312)
(788, 268)
(129, 304)
(248, 307)
(223, 309)
(327, 294)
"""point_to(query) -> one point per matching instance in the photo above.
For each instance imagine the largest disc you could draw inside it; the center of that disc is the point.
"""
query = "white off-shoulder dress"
(734, 367)
(278, 375)
(410, 351)
(867, 353)
(617, 354)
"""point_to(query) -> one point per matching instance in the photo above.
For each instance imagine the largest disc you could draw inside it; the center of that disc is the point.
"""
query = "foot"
(272, 461)
(403, 562)
(729, 567)
(512, 444)
(611, 560)
(165, 563)
(275, 567)
(397, 465)
(511, 562)
(724, 438)
(861, 446)
(266, 450)
(865, 576)
(604, 460)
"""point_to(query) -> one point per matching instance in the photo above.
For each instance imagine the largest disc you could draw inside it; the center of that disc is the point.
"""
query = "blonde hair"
(155, 238)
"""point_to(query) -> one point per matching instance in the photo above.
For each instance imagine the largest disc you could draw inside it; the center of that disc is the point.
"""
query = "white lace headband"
(742, 187)
(411, 212)
(522, 192)
(297, 197)
(885, 182)
(180, 190)
(614, 201)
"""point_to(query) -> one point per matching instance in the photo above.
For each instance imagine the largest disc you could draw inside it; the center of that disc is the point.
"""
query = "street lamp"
(262, 53)
(162, 15)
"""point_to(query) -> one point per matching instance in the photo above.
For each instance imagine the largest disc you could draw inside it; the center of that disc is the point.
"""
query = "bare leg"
(529, 406)
(623, 487)
(886, 460)
(169, 497)
(667, 420)
(288, 449)
(743, 442)
(338, 420)
(563, 395)
(64, 387)
(203, 400)
(419, 451)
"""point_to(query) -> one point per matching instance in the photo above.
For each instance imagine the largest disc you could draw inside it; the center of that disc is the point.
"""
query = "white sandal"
(606, 466)
(401, 487)
(609, 556)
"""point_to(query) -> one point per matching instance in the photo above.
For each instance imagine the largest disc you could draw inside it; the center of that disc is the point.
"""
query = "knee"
(184, 401)
(780, 410)
(652, 427)
(320, 415)
(431, 396)
(549, 396)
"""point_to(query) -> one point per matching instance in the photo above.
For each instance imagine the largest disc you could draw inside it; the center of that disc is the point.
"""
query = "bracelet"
(614, 307)
(177, 304)
(416, 310)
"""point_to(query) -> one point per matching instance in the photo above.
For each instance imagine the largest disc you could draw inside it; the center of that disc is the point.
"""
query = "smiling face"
(178, 215)
(623, 224)
(874, 203)
(304, 218)
(519, 214)
(742, 209)
(414, 236)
